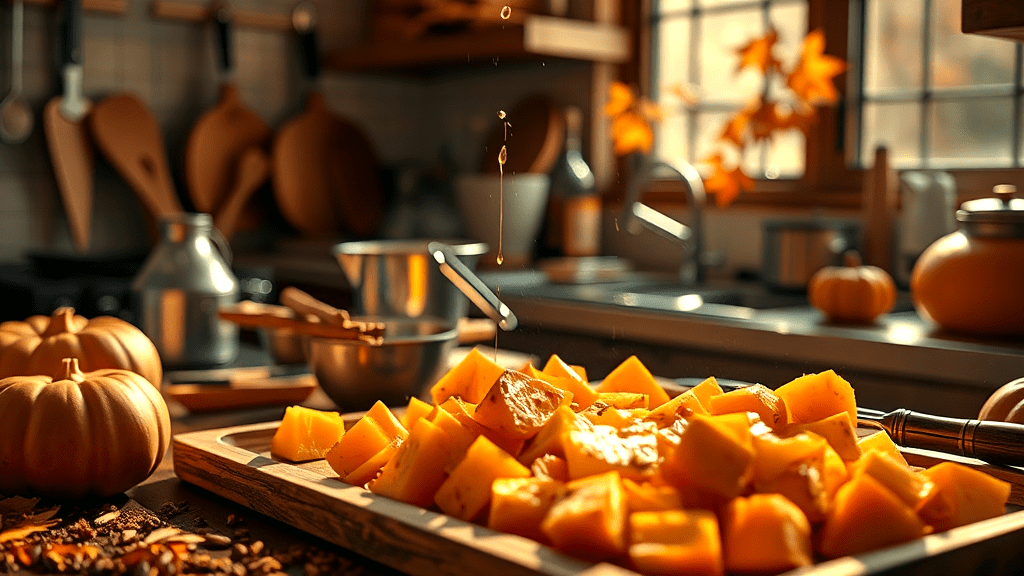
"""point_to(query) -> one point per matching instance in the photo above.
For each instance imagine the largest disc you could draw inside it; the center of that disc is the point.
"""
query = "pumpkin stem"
(852, 259)
(69, 371)
(62, 321)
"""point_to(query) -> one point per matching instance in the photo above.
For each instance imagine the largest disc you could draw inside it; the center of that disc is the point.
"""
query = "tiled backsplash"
(171, 66)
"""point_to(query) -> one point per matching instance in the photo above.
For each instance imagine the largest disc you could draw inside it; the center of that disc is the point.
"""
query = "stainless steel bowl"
(398, 278)
(356, 374)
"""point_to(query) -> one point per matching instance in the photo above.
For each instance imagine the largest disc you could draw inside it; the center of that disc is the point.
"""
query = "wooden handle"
(303, 304)
(475, 330)
(993, 442)
(253, 315)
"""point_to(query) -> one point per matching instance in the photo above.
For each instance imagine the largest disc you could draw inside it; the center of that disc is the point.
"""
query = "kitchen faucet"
(691, 237)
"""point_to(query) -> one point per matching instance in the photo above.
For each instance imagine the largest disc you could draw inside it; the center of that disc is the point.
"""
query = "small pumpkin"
(74, 435)
(38, 344)
(853, 293)
(1006, 404)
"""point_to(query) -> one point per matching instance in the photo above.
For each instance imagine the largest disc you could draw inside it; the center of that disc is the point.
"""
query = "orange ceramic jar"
(972, 281)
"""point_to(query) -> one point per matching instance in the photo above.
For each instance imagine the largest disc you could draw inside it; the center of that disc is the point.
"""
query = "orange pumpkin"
(73, 434)
(1006, 404)
(37, 345)
(852, 293)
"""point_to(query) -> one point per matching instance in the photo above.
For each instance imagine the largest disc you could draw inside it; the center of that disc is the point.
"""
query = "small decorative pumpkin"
(1006, 404)
(75, 434)
(37, 345)
(852, 293)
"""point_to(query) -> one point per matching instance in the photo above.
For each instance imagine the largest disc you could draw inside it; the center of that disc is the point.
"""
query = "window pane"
(971, 132)
(790, 21)
(717, 3)
(896, 126)
(786, 155)
(960, 59)
(673, 5)
(673, 139)
(673, 57)
(892, 45)
(721, 35)
(709, 128)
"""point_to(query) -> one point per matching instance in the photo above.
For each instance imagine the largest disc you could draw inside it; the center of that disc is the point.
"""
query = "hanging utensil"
(66, 135)
(472, 286)
(15, 114)
(252, 171)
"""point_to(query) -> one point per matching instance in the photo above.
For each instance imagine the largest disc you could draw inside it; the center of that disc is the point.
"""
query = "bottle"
(574, 182)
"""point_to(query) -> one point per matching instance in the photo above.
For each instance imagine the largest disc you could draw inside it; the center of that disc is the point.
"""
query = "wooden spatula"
(253, 170)
(129, 137)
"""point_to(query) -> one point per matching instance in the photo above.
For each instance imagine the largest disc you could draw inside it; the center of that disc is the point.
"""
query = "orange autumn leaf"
(811, 78)
(800, 119)
(620, 99)
(765, 120)
(25, 529)
(758, 53)
(631, 133)
(735, 130)
(726, 185)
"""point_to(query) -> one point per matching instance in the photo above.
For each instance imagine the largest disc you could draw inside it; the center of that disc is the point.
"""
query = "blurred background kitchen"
(925, 117)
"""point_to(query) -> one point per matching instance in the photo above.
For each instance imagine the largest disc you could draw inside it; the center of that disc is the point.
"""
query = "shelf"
(537, 36)
(999, 18)
(115, 7)
(202, 13)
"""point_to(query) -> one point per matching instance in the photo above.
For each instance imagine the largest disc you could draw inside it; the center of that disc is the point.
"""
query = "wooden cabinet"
(1000, 18)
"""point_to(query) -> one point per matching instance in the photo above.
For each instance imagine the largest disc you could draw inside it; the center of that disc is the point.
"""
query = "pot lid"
(1001, 216)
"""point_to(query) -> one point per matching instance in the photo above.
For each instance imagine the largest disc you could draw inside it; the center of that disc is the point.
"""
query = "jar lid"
(1001, 216)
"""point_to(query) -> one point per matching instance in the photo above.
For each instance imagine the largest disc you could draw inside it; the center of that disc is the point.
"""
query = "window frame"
(830, 179)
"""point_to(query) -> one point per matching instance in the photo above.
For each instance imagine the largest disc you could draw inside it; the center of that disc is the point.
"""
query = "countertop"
(756, 344)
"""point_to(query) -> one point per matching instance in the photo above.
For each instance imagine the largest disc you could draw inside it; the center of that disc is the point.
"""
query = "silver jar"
(178, 291)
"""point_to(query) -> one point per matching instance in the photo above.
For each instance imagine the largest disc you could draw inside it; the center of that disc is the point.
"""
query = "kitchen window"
(937, 98)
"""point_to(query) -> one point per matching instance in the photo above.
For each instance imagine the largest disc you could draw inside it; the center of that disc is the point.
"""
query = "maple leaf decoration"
(758, 53)
(631, 120)
(811, 78)
(726, 184)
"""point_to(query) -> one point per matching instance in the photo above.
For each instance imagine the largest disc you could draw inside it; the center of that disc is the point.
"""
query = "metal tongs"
(472, 286)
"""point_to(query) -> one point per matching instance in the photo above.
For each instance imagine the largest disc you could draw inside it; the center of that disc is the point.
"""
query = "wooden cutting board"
(325, 174)
(534, 137)
(215, 147)
(236, 463)
(128, 135)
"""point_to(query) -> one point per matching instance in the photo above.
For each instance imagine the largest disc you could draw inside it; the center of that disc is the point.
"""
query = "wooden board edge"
(402, 536)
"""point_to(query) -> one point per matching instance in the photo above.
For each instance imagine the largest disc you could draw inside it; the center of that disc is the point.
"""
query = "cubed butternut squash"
(671, 542)
(550, 467)
(960, 496)
(368, 470)
(867, 516)
(558, 367)
(803, 484)
(551, 438)
(517, 406)
(463, 411)
(633, 453)
(910, 486)
(590, 522)
(755, 398)
(705, 390)
(519, 505)
(603, 414)
(712, 457)
(838, 430)
(835, 472)
(882, 442)
(683, 406)
(582, 394)
(765, 534)
(415, 410)
(467, 491)
(416, 471)
(624, 400)
(814, 397)
(774, 455)
(307, 434)
(470, 379)
(648, 497)
(632, 376)
(374, 431)
(459, 436)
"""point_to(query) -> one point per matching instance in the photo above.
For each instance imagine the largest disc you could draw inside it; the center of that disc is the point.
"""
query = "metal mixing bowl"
(398, 278)
(356, 374)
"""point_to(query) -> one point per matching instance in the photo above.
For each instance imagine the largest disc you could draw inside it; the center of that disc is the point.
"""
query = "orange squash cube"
(551, 438)
(374, 431)
(705, 390)
(756, 398)
(908, 485)
(466, 492)
(817, 396)
(683, 406)
(633, 453)
(838, 430)
(960, 496)
(603, 414)
(671, 542)
(558, 367)
(765, 533)
(882, 442)
(517, 406)
(710, 456)
(632, 376)
(415, 410)
(624, 400)
(416, 471)
(774, 455)
(463, 412)
(582, 394)
(867, 516)
(459, 436)
(835, 472)
(648, 497)
(519, 505)
(307, 434)
(803, 484)
(590, 522)
(369, 469)
(470, 379)
(550, 467)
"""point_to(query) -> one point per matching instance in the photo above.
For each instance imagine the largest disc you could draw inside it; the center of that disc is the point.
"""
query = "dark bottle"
(574, 211)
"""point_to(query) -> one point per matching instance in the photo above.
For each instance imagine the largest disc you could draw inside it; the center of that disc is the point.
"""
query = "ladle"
(15, 115)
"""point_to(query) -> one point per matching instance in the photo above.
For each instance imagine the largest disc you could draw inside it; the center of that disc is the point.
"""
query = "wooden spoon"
(253, 170)
(129, 137)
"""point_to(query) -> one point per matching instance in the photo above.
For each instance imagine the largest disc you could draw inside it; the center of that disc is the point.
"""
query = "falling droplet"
(501, 259)
(506, 13)
(502, 156)
(501, 114)
(616, 224)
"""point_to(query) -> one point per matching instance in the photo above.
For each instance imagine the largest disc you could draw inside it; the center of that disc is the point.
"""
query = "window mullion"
(1018, 110)
(926, 84)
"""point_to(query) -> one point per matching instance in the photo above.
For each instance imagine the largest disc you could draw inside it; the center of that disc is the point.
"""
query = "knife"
(990, 441)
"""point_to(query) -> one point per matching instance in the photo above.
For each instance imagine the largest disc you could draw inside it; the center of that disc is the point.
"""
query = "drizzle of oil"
(502, 158)
(497, 292)
(506, 13)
